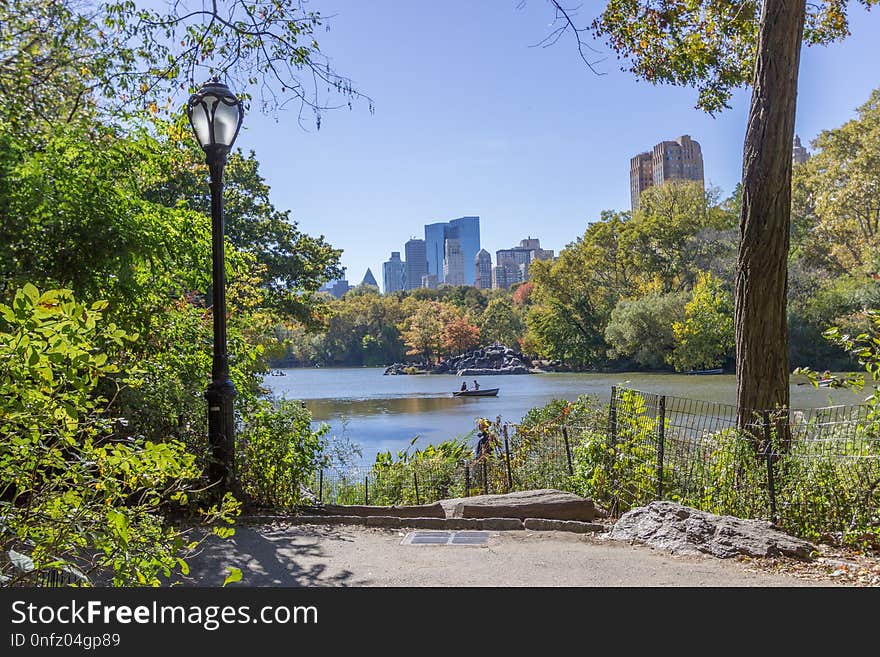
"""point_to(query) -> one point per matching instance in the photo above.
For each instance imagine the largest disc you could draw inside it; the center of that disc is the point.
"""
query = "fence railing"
(814, 471)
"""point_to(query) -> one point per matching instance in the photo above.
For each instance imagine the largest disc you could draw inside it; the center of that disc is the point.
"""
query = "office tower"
(499, 277)
(515, 262)
(799, 154)
(513, 257)
(416, 263)
(681, 159)
(483, 270)
(435, 242)
(393, 272)
(369, 279)
(641, 176)
(429, 281)
(453, 263)
(468, 229)
(464, 229)
(335, 288)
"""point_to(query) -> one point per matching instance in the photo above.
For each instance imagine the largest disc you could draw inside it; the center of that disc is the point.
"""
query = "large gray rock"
(683, 530)
(546, 503)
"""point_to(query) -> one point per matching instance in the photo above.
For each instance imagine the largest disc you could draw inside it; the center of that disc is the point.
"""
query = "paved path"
(312, 555)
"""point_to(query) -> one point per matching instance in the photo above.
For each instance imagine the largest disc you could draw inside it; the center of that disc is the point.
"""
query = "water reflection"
(385, 412)
(327, 408)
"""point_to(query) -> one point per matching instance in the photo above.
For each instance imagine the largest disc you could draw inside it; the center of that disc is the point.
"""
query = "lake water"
(382, 413)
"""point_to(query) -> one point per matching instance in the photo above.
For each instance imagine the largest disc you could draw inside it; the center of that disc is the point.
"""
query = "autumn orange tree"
(459, 335)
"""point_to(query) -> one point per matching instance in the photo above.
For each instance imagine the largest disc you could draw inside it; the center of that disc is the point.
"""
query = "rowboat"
(715, 371)
(484, 392)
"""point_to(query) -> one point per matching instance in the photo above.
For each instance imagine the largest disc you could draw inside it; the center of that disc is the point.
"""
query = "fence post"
(467, 480)
(612, 439)
(567, 451)
(661, 435)
(768, 452)
(416, 482)
(485, 478)
(612, 417)
(366, 490)
(321, 485)
(507, 459)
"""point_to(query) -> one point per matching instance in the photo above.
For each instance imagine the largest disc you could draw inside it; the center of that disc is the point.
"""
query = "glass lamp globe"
(215, 115)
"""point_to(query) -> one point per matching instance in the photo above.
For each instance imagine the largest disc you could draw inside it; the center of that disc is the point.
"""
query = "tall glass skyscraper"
(416, 263)
(393, 273)
(435, 247)
(466, 230)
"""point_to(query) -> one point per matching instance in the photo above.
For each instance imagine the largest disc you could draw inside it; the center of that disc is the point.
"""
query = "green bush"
(419, 477)
(74, 495)
(277, 452)
(621, 474)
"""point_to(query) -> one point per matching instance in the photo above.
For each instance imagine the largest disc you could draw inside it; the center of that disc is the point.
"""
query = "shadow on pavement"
(268, 557)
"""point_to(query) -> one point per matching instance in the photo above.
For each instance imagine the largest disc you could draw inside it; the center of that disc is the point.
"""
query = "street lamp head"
(215, 114)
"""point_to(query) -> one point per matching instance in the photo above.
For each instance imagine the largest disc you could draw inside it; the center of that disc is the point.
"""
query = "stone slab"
(544, 525)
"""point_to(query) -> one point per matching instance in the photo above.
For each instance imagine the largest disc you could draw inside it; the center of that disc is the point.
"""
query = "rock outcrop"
(406, 368)
(486, 361)
(683, 530)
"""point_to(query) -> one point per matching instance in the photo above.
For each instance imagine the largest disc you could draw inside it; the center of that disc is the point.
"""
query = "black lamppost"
(215, 114)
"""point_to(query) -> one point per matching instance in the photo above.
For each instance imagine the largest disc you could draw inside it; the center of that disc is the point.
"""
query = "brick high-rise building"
(641, 176)
(681, 159)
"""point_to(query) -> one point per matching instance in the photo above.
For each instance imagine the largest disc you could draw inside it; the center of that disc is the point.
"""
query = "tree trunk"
(762, 267)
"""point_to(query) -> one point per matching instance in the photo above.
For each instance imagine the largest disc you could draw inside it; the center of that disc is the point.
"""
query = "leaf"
(233, 576)
(31, 293)
(21, 561)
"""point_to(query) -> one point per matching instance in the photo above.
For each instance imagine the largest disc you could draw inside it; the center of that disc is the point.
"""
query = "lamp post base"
(221, 431)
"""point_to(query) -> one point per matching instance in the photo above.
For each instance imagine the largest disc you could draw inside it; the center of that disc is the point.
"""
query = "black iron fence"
(814, 471)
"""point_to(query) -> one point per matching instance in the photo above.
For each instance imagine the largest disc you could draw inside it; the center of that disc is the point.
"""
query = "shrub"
(74, 496)
(277, 452)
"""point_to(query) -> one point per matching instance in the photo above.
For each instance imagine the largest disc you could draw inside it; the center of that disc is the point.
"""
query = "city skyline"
(527, 138)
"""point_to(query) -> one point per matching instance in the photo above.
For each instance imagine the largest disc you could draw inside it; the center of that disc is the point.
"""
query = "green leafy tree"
(663, 241)
(501, 323)
(565, 323)
(294, 265)
(837, 195)
(363, 329)
(704, 338)
(719, 46)
(63, 59)
(641, 329)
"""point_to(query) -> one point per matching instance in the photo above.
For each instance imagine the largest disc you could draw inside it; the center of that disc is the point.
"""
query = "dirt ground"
(280, 554)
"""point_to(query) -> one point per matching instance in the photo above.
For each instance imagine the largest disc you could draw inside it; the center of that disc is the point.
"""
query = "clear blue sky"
(471, 120)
